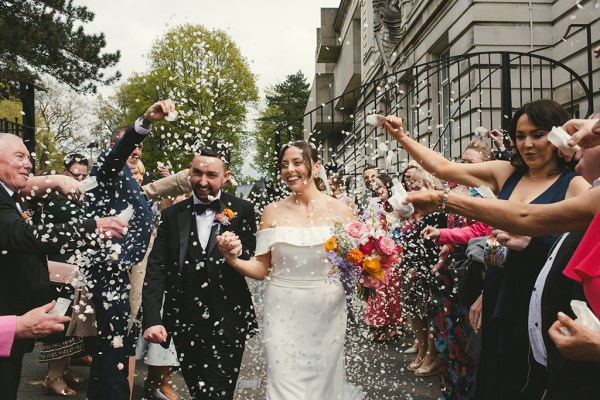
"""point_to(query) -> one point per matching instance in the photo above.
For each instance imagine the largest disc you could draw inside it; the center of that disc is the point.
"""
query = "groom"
(208, 308)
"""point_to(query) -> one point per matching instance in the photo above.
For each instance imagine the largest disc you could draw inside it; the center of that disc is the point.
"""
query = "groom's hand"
(230, 245)
(156, 334)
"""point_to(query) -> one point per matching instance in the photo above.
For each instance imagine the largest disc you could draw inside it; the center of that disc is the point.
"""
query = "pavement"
(379, 368)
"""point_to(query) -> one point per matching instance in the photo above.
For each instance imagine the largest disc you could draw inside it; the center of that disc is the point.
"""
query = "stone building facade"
(446, 66)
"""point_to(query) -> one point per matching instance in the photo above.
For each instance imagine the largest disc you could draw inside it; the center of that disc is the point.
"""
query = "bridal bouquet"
(362, 251)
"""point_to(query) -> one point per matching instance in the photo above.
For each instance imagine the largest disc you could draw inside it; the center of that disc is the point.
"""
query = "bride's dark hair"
(310, 155)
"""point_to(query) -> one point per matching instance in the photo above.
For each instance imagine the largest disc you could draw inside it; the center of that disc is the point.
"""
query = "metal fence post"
(505, 91)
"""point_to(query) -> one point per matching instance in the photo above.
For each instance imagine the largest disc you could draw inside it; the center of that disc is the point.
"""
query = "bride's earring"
(315, 175)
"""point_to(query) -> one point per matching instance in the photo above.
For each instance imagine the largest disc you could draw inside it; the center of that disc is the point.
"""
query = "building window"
(445, 93)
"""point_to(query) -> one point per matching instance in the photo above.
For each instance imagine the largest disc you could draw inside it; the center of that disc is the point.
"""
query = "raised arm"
(491, 174)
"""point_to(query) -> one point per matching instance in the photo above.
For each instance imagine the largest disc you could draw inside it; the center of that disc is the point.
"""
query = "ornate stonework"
(389, 24)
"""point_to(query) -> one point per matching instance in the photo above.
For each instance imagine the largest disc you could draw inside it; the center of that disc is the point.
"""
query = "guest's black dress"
(507, 369)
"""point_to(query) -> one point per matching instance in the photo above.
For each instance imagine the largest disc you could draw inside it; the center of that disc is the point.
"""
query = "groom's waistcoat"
(195, 291)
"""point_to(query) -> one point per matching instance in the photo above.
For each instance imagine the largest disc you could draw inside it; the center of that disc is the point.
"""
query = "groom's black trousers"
(210, 364)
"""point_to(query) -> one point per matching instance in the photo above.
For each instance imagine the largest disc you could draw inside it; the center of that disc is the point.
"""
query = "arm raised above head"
(491, 174)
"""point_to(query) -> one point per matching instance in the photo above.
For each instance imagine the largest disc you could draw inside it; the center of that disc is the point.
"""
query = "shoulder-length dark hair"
(544, 114)
(387, 182)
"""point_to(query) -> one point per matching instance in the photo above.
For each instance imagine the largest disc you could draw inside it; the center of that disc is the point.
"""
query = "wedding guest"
(34, 324)
(23, 249)
(384, 311)
(107, 269)
(419, 257)
(537, 174)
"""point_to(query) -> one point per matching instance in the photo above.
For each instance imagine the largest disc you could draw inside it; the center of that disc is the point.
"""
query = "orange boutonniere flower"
(225, 216)
(27, 215)
(354, 256)
(331, 244)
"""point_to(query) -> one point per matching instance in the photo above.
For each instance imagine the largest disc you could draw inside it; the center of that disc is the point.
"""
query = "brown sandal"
(48, 387)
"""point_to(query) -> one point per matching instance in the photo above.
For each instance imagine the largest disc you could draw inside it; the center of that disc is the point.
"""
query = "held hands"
(111, 227)
(37, 323)
(583, 344)
(159, 110)
(514, 242)
(156, 334)
(230, 245)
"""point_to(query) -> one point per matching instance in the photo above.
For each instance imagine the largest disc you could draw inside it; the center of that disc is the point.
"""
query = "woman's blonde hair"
(429, 181)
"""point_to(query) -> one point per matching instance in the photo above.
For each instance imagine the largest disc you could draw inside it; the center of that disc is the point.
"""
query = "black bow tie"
(201, 208)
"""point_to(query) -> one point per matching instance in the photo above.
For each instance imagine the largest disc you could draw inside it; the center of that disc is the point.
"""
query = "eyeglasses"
(79, 177)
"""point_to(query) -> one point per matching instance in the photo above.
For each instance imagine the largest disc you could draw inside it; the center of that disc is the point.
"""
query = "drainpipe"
(530, 26)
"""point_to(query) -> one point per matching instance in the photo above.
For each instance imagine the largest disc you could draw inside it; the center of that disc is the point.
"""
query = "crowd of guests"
(484, 282)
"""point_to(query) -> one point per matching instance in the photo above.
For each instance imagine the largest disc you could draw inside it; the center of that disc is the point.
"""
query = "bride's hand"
(395, 128)
(230, 245)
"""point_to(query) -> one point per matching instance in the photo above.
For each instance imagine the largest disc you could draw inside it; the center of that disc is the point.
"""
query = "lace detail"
(294, 235)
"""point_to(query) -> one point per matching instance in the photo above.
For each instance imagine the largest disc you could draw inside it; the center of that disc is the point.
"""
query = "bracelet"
(442, 207)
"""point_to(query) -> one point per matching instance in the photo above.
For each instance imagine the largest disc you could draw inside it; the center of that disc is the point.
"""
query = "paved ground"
(379, 368)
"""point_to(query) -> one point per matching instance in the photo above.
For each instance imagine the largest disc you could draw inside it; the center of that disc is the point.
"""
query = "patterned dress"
(451, 328)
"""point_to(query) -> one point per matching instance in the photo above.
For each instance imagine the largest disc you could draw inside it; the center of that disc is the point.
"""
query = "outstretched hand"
(37, 323)
(394, 126)
(159, 110)
(425, 202)
(584, 132)
(514, 242)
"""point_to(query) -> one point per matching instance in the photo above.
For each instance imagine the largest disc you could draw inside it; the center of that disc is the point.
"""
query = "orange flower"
(373, 267)
(229, 213)
(331, 244)
(354, 256)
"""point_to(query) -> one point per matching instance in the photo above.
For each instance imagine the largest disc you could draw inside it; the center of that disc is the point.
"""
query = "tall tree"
(64, 113)
(286, 102)
(47, 36)
(209, 80)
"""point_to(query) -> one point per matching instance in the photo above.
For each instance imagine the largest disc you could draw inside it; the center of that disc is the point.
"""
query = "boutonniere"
(27, 215)
(224, 217)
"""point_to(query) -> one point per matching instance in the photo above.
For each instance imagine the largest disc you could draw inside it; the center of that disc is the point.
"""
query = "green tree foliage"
(47, 36)
(47, 156)
(212, 86)
(286, 103)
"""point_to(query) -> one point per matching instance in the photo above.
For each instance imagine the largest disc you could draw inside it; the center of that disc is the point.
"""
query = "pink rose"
(386, 245)
(387, 261)
(368, 246)
(356, 229)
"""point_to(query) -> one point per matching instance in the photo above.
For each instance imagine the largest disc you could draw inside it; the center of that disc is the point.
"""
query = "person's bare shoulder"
(339, 209)
(273, 213)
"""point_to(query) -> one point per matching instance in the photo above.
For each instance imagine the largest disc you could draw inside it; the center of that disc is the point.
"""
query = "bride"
(304, 311)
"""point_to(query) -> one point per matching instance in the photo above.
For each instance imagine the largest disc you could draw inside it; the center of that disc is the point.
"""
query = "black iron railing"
(442, 102)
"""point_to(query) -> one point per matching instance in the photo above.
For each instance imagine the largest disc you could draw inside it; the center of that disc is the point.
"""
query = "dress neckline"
(296, 227)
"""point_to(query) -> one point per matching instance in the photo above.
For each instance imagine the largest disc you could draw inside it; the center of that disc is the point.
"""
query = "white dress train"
(304, 318)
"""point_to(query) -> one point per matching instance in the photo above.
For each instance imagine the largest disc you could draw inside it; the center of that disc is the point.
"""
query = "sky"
(278, 37)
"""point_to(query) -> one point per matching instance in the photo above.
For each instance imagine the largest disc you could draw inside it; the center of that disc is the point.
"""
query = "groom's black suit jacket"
(228, 290)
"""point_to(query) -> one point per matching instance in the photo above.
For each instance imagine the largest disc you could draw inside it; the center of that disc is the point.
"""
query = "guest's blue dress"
(507, 369)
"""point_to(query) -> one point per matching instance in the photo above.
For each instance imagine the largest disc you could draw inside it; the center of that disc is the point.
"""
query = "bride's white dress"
(304, 317)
